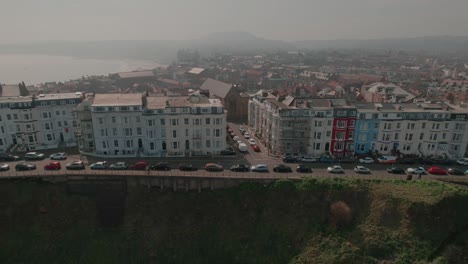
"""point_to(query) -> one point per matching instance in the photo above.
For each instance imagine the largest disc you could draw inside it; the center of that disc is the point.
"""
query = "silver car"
(119, 166)
(4, 167)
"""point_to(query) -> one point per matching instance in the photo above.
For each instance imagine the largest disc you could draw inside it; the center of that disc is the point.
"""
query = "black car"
(455, 171)
(187, 167)
(289, 159)
(8, 157)
(303, 168)
(228, 152)
(161, 166)
(396, 170)
(240, 167)
(282, 168)
(25, 166)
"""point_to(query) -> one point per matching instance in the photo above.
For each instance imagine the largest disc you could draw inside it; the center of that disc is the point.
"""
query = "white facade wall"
(321, 132)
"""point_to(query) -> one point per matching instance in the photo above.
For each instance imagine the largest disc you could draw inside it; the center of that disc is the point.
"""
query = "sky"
(23, 21)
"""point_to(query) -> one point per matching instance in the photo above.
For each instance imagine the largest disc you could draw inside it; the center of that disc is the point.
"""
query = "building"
(385, 93)
(138, 125)
(43, 122)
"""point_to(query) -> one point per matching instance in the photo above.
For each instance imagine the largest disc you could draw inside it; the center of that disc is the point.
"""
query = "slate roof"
(216, 88)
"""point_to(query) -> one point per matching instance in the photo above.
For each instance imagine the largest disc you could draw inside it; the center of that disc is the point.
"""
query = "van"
(242, 147)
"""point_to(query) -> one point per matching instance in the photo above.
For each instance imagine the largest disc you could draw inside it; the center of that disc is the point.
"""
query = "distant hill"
(164, 51)
(434, 43)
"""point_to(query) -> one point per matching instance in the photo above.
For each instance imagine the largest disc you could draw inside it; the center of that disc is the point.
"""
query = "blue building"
(367, 127)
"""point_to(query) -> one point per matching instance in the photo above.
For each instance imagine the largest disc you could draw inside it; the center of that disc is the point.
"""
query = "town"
(332, 107)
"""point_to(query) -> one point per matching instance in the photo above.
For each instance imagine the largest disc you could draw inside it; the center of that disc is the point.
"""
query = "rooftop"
(117, 100)
(136, 74)
(196, 70)
(58, 96)
(216, 88)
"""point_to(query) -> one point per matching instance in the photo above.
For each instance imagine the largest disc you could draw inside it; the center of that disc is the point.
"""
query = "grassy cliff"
(312, 221)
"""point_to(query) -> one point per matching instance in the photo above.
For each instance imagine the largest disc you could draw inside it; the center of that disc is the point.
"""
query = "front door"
(140, 143)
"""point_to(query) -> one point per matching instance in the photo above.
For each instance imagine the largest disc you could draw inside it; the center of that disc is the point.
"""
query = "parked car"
(247, 135)
(361, 169)
(25, 166)
(366, 160)
(34, 156)
(228, 152)
(289, 159)
(119, 166)
(187, 167)
(252, 141)
(213, 167)
(100, 165)
(8, 157)
(463, 161)
(387, 159)
(455, 171)
(236, 138)
(160, 166)
(4, 167)
(242, 147)
(282, 168)
(418, 170)
(259, 168)
(256, 148)
(140, 165)
(240, 167)
(335, 169)
(242, 129)
(53, 165)
(437, 170)
(75, 165)
(308, 159)
(59, 156)
(303, 168)
(327, 159)
(396, 170)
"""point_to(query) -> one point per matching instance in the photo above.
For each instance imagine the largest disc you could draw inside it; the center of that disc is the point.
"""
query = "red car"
(256, 148)
(53, 165)
(140, 165)
(437, 170)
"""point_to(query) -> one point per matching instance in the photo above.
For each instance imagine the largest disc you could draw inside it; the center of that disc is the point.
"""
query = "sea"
(36, 69)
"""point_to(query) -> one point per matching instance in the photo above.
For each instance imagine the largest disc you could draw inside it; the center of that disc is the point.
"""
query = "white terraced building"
(140, 125)
(43, 122)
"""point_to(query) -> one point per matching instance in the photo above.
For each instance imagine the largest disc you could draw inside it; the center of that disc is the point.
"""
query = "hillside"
(312, 221)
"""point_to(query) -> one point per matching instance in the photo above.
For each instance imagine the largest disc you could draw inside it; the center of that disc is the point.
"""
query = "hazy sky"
(42, 20)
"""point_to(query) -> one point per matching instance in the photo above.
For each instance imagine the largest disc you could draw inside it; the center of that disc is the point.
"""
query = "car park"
(100, 165)
(303, 168)
(59, 156)
(463, 161)
(259, 168)
(228, 152)
(335, 169)
(387, 159)
(160, 166)
(213, 167)
(240, 167)
(8, 157)
(252, 141)
(256, 148)
(308, 159)
(289, 159)
(437, 170)
(282, 168)
(25, 166)
(418, 170)
(4, 167)
(366, 160)
(75, 165)
(34, 156)
(247, 135)
(396, 170)
(119, 166)
(362, 169)
(187, 167)
(53, 165)
(140, 165)
(455, 171)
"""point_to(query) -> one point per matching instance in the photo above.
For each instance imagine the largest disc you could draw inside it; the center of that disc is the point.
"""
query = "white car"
(236, 138)
(34, 156)
(119, 166)
(100, 165)
(418, 170)
(366, 160)
(335, 169)
(259, 168)
(463, 161)
(308, 159)
(242, 129)
(59, 156)
(361, 169)
(247, 135)
(252, 141)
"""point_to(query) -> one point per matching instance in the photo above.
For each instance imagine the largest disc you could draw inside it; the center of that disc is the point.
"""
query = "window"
(207, 132)
(114, 131)
(139, 131)
(114, 120)
(138, 119)
(328, 133)
(351, 135)
(329, 123)
(339, 146)
(385, 115)
(63, 112)
(217, 132)
(376, 125)
(116, 143)
(125, 120)
(374, 136)
(103, 132)
(317, 146)
(101, 120)
(128, 132)
(398, 125)
(59, 123)
(317, 135)
(186, 132)
(186, 121)
(396, 136)
(163, 145)
(174, 133)
(175, 145)
(208, 144)
(341, 124)
(65, 123)
(423, 125)
(409, 137)
(49, 137)
(163, 122)
(57, 113)
(150, 122)
(352, 122)
(340, 113)
(444, 135)
(446, 125)
(207, 121)
(44, 114)
(129, 143)
(421, 136)
(174, 122)
(8, 116)
(103, 144)
(152, 145)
